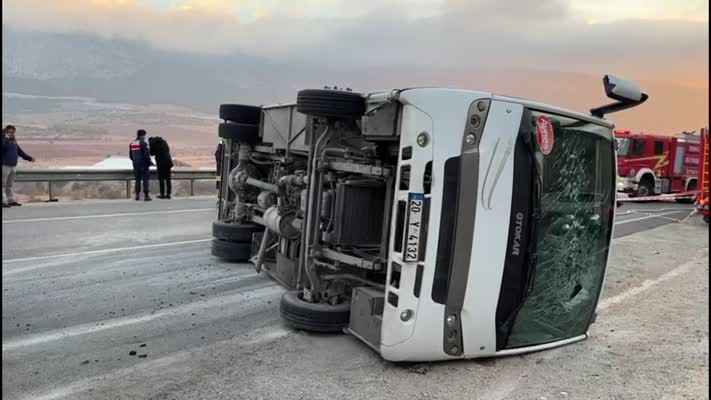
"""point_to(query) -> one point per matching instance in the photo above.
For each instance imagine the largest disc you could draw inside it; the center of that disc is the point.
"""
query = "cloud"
(548, 34)
(542, 35)
(410, 35)
(611, 10)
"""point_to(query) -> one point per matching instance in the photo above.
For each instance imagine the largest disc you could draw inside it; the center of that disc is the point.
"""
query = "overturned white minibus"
(430, 223)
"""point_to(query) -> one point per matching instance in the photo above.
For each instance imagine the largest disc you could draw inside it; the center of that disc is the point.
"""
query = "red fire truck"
(650, 164)
(703, 204)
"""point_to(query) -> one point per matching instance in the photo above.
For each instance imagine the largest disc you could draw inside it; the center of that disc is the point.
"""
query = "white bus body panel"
(491, 229)
(421, 337)
(414, 121)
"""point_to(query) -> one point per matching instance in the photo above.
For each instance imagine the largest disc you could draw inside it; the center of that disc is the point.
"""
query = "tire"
(235, 232)
(645, 188)
(241, 114)
(314, 317)
(707, 218)
(330, 103)
(240, 132)
(231, 251)
(689, 200)
(686, 200)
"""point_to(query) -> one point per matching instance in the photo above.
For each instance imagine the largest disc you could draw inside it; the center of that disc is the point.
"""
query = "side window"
(658, 148)
(637, 147)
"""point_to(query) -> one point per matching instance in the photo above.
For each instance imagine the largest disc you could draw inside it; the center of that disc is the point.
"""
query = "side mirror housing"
(627, 93)
(621, 89)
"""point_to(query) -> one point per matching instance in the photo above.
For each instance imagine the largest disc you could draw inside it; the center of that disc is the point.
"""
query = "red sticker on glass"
(545, 135)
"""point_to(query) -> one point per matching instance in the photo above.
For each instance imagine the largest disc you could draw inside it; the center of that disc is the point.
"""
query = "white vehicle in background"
(430, 223)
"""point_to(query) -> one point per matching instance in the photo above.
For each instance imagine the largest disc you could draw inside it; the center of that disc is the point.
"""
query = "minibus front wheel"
(317, 317)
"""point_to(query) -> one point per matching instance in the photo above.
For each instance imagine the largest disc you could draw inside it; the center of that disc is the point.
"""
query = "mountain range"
(114, 70)
(117, 70)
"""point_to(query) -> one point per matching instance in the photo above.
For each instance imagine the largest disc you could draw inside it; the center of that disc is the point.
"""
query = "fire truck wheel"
(330, 103)
(688, 200)
(240, 132)
(317, 317)
(231, 251)
(240, 113)
(235, 232)
(646, 188)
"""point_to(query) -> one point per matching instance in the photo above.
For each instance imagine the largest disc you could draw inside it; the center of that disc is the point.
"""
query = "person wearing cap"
(11, 151)
(139, 153)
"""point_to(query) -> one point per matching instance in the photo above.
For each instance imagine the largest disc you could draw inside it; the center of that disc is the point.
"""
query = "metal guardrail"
(95, 175)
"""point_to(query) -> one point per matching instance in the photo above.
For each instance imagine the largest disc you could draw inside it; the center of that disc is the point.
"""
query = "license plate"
(415, 205)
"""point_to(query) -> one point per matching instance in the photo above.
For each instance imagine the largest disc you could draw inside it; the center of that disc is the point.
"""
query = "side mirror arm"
(600, 112)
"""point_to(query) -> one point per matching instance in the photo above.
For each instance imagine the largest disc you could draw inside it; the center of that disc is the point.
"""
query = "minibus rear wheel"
(241, 113)
(317, 317)
(330, 103)
(240, 132)
(231, 251)
(235, 232)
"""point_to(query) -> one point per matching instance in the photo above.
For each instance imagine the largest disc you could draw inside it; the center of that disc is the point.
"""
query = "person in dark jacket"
(139, 153)
(164, 162)
(10, 153)
(219, 155)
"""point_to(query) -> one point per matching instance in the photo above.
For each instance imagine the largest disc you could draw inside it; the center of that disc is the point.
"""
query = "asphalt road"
(122, 300)
(636, 217)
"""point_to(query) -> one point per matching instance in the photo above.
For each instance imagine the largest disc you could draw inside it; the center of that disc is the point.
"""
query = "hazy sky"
(377, 31)
(648, 37)
(593, 11)
(653, 40)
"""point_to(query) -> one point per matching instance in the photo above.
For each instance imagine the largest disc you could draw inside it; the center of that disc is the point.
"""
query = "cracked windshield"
(570, 243)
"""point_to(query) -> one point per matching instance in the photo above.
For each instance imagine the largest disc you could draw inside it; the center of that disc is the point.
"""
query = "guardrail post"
(192, 187)
(49, 189)
(128, 189)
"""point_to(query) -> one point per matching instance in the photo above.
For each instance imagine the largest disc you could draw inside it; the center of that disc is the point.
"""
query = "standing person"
(140, 155)
(164, 162)
(10, 152)
(219, 154)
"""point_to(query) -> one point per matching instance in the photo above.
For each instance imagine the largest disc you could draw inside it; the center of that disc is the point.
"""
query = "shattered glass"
(573, 223)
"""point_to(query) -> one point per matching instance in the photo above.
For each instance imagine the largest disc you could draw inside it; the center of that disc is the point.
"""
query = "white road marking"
(624, 213)
(154, 366)
(93, 327)
(186, 210)
(647, 217)
(647, 284)
(650, 211)
(92, 252)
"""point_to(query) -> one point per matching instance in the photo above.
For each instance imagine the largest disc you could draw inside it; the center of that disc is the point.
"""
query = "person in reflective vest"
(140, 156)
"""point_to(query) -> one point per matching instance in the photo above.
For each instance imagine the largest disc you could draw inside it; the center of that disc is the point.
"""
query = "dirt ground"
(86, 136)
(86, 152)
